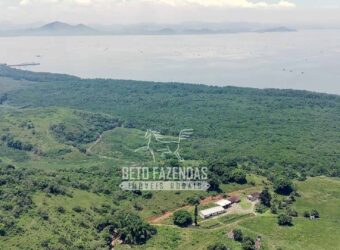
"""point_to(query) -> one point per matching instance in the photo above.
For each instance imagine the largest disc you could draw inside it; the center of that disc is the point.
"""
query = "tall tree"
(196, 215)
(196, 202)
(265, 197)
(131, 229)
(283, 186)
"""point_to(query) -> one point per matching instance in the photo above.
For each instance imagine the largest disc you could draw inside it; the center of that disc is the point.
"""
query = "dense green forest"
(63, 141)
(286, 129)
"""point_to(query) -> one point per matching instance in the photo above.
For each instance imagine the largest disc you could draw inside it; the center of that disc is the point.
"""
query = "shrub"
(54, 188)
(138, 206)
(2, 231)
(302, 177)
(44, 215)
(315, 213)
(7, 206)
(147, 195)
(248, 243)
(260, 208)
(61, 210)
(273, 209)
(292, 212)
(10, 167)
(284, 220)
(182, 218)
(102, 223)
(265, 197)
(78, 209)
(238, 235)
(45, 244)
(218, 246)
(306, 214)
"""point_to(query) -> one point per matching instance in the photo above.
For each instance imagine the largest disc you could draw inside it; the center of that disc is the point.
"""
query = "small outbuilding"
(254, 196)
(223, 203)
(234, 199)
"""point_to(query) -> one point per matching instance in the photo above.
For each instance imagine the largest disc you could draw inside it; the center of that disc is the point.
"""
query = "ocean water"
(308, 60)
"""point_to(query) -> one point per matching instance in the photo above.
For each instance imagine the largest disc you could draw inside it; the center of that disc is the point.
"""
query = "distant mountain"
(195, 28)
(65, 29)
(277, 29)
(59, 28)
(55, 29)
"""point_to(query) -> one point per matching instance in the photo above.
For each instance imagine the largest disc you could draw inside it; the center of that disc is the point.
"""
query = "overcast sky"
(315, 12)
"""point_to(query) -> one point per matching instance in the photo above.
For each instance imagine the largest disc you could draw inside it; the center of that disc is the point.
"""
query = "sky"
(298, 12)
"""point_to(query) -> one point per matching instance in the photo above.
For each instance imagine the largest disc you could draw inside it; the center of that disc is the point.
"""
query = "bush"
(182, 218)
(44, 215)
(265, 197)
(284, 220)
(306, 214)
(302, 177)
(61, 210)
(138, 206)
(315, 213)
(238, 235)
(218, 246)
(17, 144)
(147, 195)
(260, 208)
(292, 212)
(2, 231)
(273, 209)
(54, 188)
(10, 167)
(248, 243)
(78, 209)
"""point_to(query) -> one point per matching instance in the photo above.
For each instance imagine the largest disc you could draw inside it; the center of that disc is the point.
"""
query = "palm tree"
(196, 203)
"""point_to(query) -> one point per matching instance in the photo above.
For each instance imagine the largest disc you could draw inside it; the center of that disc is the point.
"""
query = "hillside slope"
(295, 130)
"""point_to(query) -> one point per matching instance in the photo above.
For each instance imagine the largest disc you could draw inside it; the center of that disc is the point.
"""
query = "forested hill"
(275, 127)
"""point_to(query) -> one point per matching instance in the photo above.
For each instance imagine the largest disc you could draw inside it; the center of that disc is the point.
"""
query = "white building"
(222, 205)
(212, 212)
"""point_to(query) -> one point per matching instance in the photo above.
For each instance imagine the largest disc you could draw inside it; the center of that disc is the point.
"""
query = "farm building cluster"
(222, 206)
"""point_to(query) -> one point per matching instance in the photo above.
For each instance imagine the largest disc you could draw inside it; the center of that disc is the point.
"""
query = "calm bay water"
(307, 60)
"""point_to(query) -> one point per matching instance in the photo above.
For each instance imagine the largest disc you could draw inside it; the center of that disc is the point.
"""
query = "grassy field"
(319, 193)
